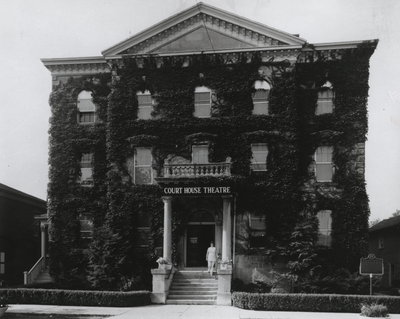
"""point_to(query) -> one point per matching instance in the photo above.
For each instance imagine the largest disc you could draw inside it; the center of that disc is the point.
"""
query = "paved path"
(179, 312)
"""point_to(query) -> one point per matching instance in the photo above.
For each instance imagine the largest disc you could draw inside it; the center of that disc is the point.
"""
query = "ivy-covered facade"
(208, 127)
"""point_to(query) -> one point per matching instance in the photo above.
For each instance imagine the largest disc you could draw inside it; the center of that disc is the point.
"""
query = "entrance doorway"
(198, 240)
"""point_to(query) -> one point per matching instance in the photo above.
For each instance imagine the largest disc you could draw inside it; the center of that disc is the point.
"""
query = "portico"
(221, 227)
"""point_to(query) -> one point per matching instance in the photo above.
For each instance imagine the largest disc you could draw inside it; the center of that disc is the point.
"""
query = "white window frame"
(326, 87)
(323, 163)
(325, 241)
(147, 165)
(88, 182)
(92, 111)
(253, 163)
(200, 146)
(145, 106)
(201, 90)
(261, 86)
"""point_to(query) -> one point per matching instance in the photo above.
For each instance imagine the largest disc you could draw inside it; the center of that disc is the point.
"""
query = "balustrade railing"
(197, 170)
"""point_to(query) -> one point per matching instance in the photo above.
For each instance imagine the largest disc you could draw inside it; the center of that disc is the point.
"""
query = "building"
(208, 127)
(23, 231)
(384, 239)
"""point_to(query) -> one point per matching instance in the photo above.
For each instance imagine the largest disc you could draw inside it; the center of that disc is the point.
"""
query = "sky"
(31, 30)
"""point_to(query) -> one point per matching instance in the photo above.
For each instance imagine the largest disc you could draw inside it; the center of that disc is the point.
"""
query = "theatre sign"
(198, 190)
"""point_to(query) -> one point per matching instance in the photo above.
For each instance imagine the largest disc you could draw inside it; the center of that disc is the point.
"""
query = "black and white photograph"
(200, 159)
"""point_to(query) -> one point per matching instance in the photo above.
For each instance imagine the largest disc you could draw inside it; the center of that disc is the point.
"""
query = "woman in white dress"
(211, 257)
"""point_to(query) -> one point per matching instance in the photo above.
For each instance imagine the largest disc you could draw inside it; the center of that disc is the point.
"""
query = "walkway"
(178, 312)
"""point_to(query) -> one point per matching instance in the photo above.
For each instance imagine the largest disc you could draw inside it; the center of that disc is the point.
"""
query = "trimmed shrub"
(76, 297)
(374, 310)
(311, 302)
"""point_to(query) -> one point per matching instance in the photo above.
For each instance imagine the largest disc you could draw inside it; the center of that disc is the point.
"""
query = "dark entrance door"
(198, 240)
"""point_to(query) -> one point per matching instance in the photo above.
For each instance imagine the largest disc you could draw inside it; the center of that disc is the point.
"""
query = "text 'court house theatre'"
(207, 127)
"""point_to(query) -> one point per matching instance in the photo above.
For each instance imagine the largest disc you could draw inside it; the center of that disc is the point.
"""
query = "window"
(145, 105)
(200, 154)
(259, 159)
(202, 102)
(86, 228)
(323, 164)
(325, 99)
(324, 228)
(257, 231)
(2, 262)
(143, 166)
(86, 108)
(260, 98)
(381, 243)
(87, 169)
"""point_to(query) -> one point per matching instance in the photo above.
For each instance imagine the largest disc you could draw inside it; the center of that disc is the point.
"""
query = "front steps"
(193, 287)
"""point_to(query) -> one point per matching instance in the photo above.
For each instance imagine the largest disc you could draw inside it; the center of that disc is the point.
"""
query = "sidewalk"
(177, 311)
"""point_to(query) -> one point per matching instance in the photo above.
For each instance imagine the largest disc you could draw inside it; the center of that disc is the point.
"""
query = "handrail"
(34, 272)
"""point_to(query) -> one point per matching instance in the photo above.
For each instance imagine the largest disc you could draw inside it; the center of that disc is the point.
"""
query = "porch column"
(43, 228)
(167, 244)
(226, 228)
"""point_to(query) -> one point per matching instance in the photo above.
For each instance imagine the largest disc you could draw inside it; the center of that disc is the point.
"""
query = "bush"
(75, 297)
(374, 310)
(311, 302)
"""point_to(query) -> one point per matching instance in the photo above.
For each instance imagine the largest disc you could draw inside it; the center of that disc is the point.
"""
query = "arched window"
(202, 102)
(325, 99)
(86, 108)
(260, 98)
(145, 105)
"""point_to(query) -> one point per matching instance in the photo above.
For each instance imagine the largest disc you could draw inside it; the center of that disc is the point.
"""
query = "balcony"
(191, 170)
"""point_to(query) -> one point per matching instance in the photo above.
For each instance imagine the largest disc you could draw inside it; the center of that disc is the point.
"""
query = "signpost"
(371, 266)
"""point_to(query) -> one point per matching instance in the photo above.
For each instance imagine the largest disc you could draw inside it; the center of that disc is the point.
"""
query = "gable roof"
(203, 16)
(13, 194)
(386, 223)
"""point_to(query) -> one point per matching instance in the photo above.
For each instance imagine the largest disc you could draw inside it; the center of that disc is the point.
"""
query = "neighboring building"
(20, 233)
(208, 127)
(384, 242)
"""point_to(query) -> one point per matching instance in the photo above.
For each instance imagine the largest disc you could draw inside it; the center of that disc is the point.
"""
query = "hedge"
(311, 302)
(76, 297)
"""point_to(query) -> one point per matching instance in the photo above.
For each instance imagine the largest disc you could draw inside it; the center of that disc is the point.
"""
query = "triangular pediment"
(202, 39)
(203, 28)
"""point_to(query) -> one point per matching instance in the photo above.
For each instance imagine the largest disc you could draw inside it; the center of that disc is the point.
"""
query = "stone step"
(192, 297)
(193, 287)
(193, 292)
(190, 302)
(208, 282)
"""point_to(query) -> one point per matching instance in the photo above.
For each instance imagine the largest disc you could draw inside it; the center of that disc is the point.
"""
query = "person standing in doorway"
(211, 257)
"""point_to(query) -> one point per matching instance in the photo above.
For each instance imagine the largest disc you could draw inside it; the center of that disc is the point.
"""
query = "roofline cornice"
(77, 65)
(208, 10)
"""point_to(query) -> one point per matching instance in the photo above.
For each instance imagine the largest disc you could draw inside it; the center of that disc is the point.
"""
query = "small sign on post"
(371, 266)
